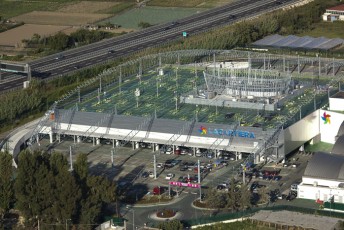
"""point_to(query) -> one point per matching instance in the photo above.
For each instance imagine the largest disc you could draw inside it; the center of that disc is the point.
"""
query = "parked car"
(169, 150)
(145, 175)
(210, 155)
(291, 196)
(169, 176)
(177, 151)
(293, 187)
(158, 190)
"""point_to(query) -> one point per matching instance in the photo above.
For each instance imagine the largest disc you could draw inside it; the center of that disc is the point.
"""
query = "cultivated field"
(86, 7)
(59, 18)
(14, 36)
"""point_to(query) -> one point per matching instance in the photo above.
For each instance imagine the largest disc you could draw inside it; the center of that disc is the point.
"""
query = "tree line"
(45, 191)
(62, 41)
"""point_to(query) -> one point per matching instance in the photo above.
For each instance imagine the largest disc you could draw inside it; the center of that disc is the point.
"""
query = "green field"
(326, 29)
(151, 15)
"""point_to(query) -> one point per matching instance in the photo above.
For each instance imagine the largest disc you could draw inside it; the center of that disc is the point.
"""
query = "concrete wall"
(330, 130)
(301, 132)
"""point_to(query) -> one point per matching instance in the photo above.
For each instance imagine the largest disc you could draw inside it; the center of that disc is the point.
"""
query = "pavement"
(305, 221)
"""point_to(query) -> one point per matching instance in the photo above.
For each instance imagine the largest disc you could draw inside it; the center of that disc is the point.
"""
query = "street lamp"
(67, 223)
(176, 97)
(158, 82)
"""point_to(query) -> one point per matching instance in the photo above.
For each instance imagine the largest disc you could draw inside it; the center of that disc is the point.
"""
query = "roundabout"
(165, 214)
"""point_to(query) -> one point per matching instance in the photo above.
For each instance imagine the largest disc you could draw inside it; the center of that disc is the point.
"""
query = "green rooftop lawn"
(321, 146)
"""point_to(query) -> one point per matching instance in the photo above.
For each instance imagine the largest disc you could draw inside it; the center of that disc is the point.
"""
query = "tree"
(6, 183)
(232, 196)
(144, 25)
(216, 199)
(263, 195)
(245, 197)
(171, 225)
(81, 167)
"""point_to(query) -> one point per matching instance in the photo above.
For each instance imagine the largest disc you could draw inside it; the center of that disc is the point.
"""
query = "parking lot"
(133, 166)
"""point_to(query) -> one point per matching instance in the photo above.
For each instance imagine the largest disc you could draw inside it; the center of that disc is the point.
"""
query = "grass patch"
(321, 146)
(326, 29)
(153, 199)
(151, 15)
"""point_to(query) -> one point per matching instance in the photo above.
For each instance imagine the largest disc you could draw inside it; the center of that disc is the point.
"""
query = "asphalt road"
(111, 49)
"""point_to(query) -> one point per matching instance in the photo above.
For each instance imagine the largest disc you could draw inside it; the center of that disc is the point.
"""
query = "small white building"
(323, 178)
(334, 13)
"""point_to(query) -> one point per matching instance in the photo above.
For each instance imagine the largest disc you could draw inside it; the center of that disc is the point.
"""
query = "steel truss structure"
(243, 83)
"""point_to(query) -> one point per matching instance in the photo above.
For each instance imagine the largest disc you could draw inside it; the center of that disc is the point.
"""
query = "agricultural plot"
(86, 7)
(151, 15)
(15, 36)
(160, 95)
(59, 18)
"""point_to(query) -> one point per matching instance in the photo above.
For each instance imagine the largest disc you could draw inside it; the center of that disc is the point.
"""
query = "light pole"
(158, 81)
(176, 97)
(67, 223)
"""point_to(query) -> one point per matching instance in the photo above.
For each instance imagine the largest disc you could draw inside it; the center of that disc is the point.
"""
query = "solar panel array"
(294, 42)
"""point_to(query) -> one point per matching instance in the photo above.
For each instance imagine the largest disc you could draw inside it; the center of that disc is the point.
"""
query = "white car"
(159, 165)
(169, 150)
(169, 176)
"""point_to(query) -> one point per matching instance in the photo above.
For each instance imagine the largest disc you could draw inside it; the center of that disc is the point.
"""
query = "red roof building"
(334, 13)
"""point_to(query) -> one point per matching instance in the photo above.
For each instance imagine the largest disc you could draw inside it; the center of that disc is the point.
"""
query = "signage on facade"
(227, 132)
(181, 184)
(326, 118)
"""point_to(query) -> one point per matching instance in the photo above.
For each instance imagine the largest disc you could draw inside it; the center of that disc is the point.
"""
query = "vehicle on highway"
(169, 176)
(111, 51)
(58, 57)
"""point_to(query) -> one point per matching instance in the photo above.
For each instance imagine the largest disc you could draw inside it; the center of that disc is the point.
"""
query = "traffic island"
(166, 213)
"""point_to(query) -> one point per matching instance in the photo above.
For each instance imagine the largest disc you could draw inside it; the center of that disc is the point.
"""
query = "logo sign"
(181, 184)
(227, 132)
(326, 118)
(203, 130)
